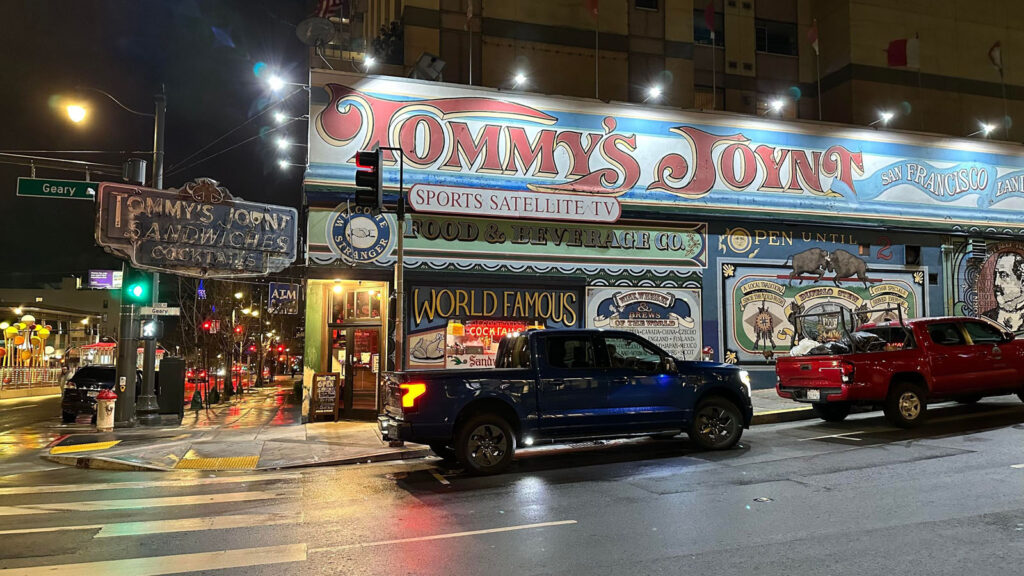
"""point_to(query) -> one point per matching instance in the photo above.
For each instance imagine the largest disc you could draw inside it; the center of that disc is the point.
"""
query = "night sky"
(204, 52)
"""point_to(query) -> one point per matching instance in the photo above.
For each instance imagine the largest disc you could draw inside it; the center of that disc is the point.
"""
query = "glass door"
(355, 355)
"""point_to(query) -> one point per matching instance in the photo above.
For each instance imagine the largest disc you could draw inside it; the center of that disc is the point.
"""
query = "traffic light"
(252, 349)
(152, 330)
(239, 329)
(207, 326)
(369, 179)
(280, 348)
(136, 287)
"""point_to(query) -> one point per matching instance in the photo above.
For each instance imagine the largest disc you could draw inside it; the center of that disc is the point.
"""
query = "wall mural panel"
(988, 281)
(760, 298)
(669, 318)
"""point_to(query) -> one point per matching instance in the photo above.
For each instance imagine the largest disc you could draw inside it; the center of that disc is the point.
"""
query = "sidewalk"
(261, 431)
(258, 431)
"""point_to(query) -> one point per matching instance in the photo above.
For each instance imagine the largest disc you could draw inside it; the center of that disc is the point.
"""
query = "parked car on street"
(80, 391)
(904, 365)
(564, 385)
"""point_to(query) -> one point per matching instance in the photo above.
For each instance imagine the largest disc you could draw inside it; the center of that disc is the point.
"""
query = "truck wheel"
(906, 405)
(717, 424)
(68, 417)
(444, 451)
(832, 412)
(485, 444)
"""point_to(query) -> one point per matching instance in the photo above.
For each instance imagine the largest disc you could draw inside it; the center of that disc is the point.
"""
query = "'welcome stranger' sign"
(482, 152)
(199, 230)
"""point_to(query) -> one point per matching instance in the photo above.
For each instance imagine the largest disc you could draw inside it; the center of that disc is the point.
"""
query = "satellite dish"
(428, 67)
(315, 31)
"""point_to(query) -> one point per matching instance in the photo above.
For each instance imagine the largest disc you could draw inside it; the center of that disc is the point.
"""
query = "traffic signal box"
(369, 179)
(137, 286)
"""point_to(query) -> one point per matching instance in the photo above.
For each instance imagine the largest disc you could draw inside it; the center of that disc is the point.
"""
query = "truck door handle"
(556, 383)
(996, 352)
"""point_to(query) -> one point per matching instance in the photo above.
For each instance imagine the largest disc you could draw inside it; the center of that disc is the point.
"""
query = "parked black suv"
(80, 391)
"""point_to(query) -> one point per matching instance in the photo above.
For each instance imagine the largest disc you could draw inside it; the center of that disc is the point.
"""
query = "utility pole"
(147, 409)
(400, 264)
(127, 342)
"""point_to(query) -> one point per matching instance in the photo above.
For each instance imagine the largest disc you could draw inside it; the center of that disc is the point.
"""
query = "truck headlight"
(745, 379)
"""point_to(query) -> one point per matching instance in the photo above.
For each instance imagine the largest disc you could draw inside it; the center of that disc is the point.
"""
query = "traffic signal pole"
(400, 264)
(124, 407)
(148, 411)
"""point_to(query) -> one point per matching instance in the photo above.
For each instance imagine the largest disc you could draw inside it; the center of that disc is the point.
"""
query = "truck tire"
(68, 417)
(832, 411)
(906, 405)
(717, 424)
(444, 451)
(485, 444)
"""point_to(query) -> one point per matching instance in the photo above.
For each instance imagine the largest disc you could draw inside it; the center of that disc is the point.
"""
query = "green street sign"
(46, 188)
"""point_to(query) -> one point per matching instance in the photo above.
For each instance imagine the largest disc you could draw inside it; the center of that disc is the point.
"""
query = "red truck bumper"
(814, 393)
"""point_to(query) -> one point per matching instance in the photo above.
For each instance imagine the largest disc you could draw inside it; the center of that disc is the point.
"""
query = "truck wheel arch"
(720, 392)
(915, 378)
(489, 406)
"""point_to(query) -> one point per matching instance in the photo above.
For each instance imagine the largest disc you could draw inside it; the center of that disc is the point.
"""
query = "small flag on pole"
(327, 8)
(709, 16)
(995, 55)
(469, 13)
(812, 36)
(904, 52)
(592, 6)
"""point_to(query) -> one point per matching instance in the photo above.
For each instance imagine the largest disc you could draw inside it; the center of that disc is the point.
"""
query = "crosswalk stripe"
(103, 505)
(174, 564)
(442, 536)
(168, 526)
(149, 484)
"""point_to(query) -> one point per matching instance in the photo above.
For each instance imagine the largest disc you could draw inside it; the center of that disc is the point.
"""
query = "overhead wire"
(176, 167)
(228, 149)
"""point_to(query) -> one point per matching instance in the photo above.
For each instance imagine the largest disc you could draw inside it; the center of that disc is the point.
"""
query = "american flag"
(328, 8)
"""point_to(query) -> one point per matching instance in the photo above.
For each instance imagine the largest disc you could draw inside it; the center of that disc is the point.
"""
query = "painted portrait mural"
(988, 281)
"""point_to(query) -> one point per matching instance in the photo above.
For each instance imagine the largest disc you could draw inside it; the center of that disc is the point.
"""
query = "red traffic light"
(252, 348)
(280, 348)
(238, 329)
(207, 325)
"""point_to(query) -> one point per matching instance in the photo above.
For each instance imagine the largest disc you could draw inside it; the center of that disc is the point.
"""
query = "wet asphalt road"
(857, 497)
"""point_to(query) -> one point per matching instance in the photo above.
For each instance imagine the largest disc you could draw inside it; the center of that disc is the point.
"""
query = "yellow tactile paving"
(232, 463)
(84, 447)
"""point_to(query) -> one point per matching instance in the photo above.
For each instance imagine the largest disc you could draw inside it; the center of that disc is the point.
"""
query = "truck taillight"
(846, 369)
(410, 392)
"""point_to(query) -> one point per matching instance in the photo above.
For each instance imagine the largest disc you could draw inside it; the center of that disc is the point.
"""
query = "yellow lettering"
(531, 304)
(451, 304)
(569, 305)
(490, 308)
(787, 237)
(423, 309)
(461, 299)
(759, 235)
(773, 238)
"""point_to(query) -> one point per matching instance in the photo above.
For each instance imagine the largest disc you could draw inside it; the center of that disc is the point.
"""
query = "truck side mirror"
(668, 364)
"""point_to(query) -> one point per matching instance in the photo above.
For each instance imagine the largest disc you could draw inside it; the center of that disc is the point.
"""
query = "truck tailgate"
(811, 378)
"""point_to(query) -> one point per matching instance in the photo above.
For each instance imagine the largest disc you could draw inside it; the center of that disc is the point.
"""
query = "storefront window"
(475, 343)
(356, 304)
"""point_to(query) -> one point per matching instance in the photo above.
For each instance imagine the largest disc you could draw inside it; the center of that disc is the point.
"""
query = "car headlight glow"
(745, 379)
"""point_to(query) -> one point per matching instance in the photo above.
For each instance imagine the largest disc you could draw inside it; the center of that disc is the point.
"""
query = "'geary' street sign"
(46, 188)
(164, 310)
(197, 230)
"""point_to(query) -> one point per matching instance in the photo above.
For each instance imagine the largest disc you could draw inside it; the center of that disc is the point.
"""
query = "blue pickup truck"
(565, 385)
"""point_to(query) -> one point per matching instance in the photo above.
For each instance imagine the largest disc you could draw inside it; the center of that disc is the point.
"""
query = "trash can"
(171, 391)
(105, 410)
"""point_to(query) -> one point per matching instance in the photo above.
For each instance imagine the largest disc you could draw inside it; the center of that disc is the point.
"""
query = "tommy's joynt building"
(694, 229)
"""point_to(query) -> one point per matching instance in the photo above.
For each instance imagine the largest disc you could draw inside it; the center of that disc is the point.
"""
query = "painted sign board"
(670, 318)
(658, 159)
(326, 394)
(467, 240)
(49, 188)
(461, 200)
(198, 230)
(761, 300)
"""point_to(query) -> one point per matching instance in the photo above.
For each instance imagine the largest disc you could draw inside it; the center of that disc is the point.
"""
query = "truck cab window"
(946, 334)
(983, 333)
(625, 352)
(569, 351)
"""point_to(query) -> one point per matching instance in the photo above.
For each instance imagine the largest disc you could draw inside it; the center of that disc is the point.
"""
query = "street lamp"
(986, 129)
(776, 105)
(518, 79)
(146, 407)
(238, 295)
(653, 93)
(883, 118)
(369, 61)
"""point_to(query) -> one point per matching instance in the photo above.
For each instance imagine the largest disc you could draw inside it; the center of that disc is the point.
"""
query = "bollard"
(105, 410)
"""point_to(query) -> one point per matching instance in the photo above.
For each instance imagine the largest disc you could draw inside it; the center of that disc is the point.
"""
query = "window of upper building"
(701, 33)
(646, 4)
(776, 37)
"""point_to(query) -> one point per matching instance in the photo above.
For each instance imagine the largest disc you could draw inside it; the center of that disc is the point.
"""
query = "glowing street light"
(283, 164)
(885, 116)
(654, 92)
(283, 143)
(238, 295)
(518, 79)
(247, 311)
(986, 129)
(17, 311)
(369, 61)
(275, 82)
(76, 113)
(776, 105)
(280, 117)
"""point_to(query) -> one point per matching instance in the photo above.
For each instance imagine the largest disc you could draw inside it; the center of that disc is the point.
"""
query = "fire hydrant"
(105, 410)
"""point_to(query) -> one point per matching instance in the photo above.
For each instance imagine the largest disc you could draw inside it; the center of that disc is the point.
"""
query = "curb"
(787, 415)
(104, 463)
(101, 463)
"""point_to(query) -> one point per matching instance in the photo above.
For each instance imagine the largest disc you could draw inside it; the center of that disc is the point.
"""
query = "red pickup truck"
(904, 366)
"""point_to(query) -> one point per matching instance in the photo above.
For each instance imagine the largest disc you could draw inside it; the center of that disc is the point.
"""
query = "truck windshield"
(513, 352)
